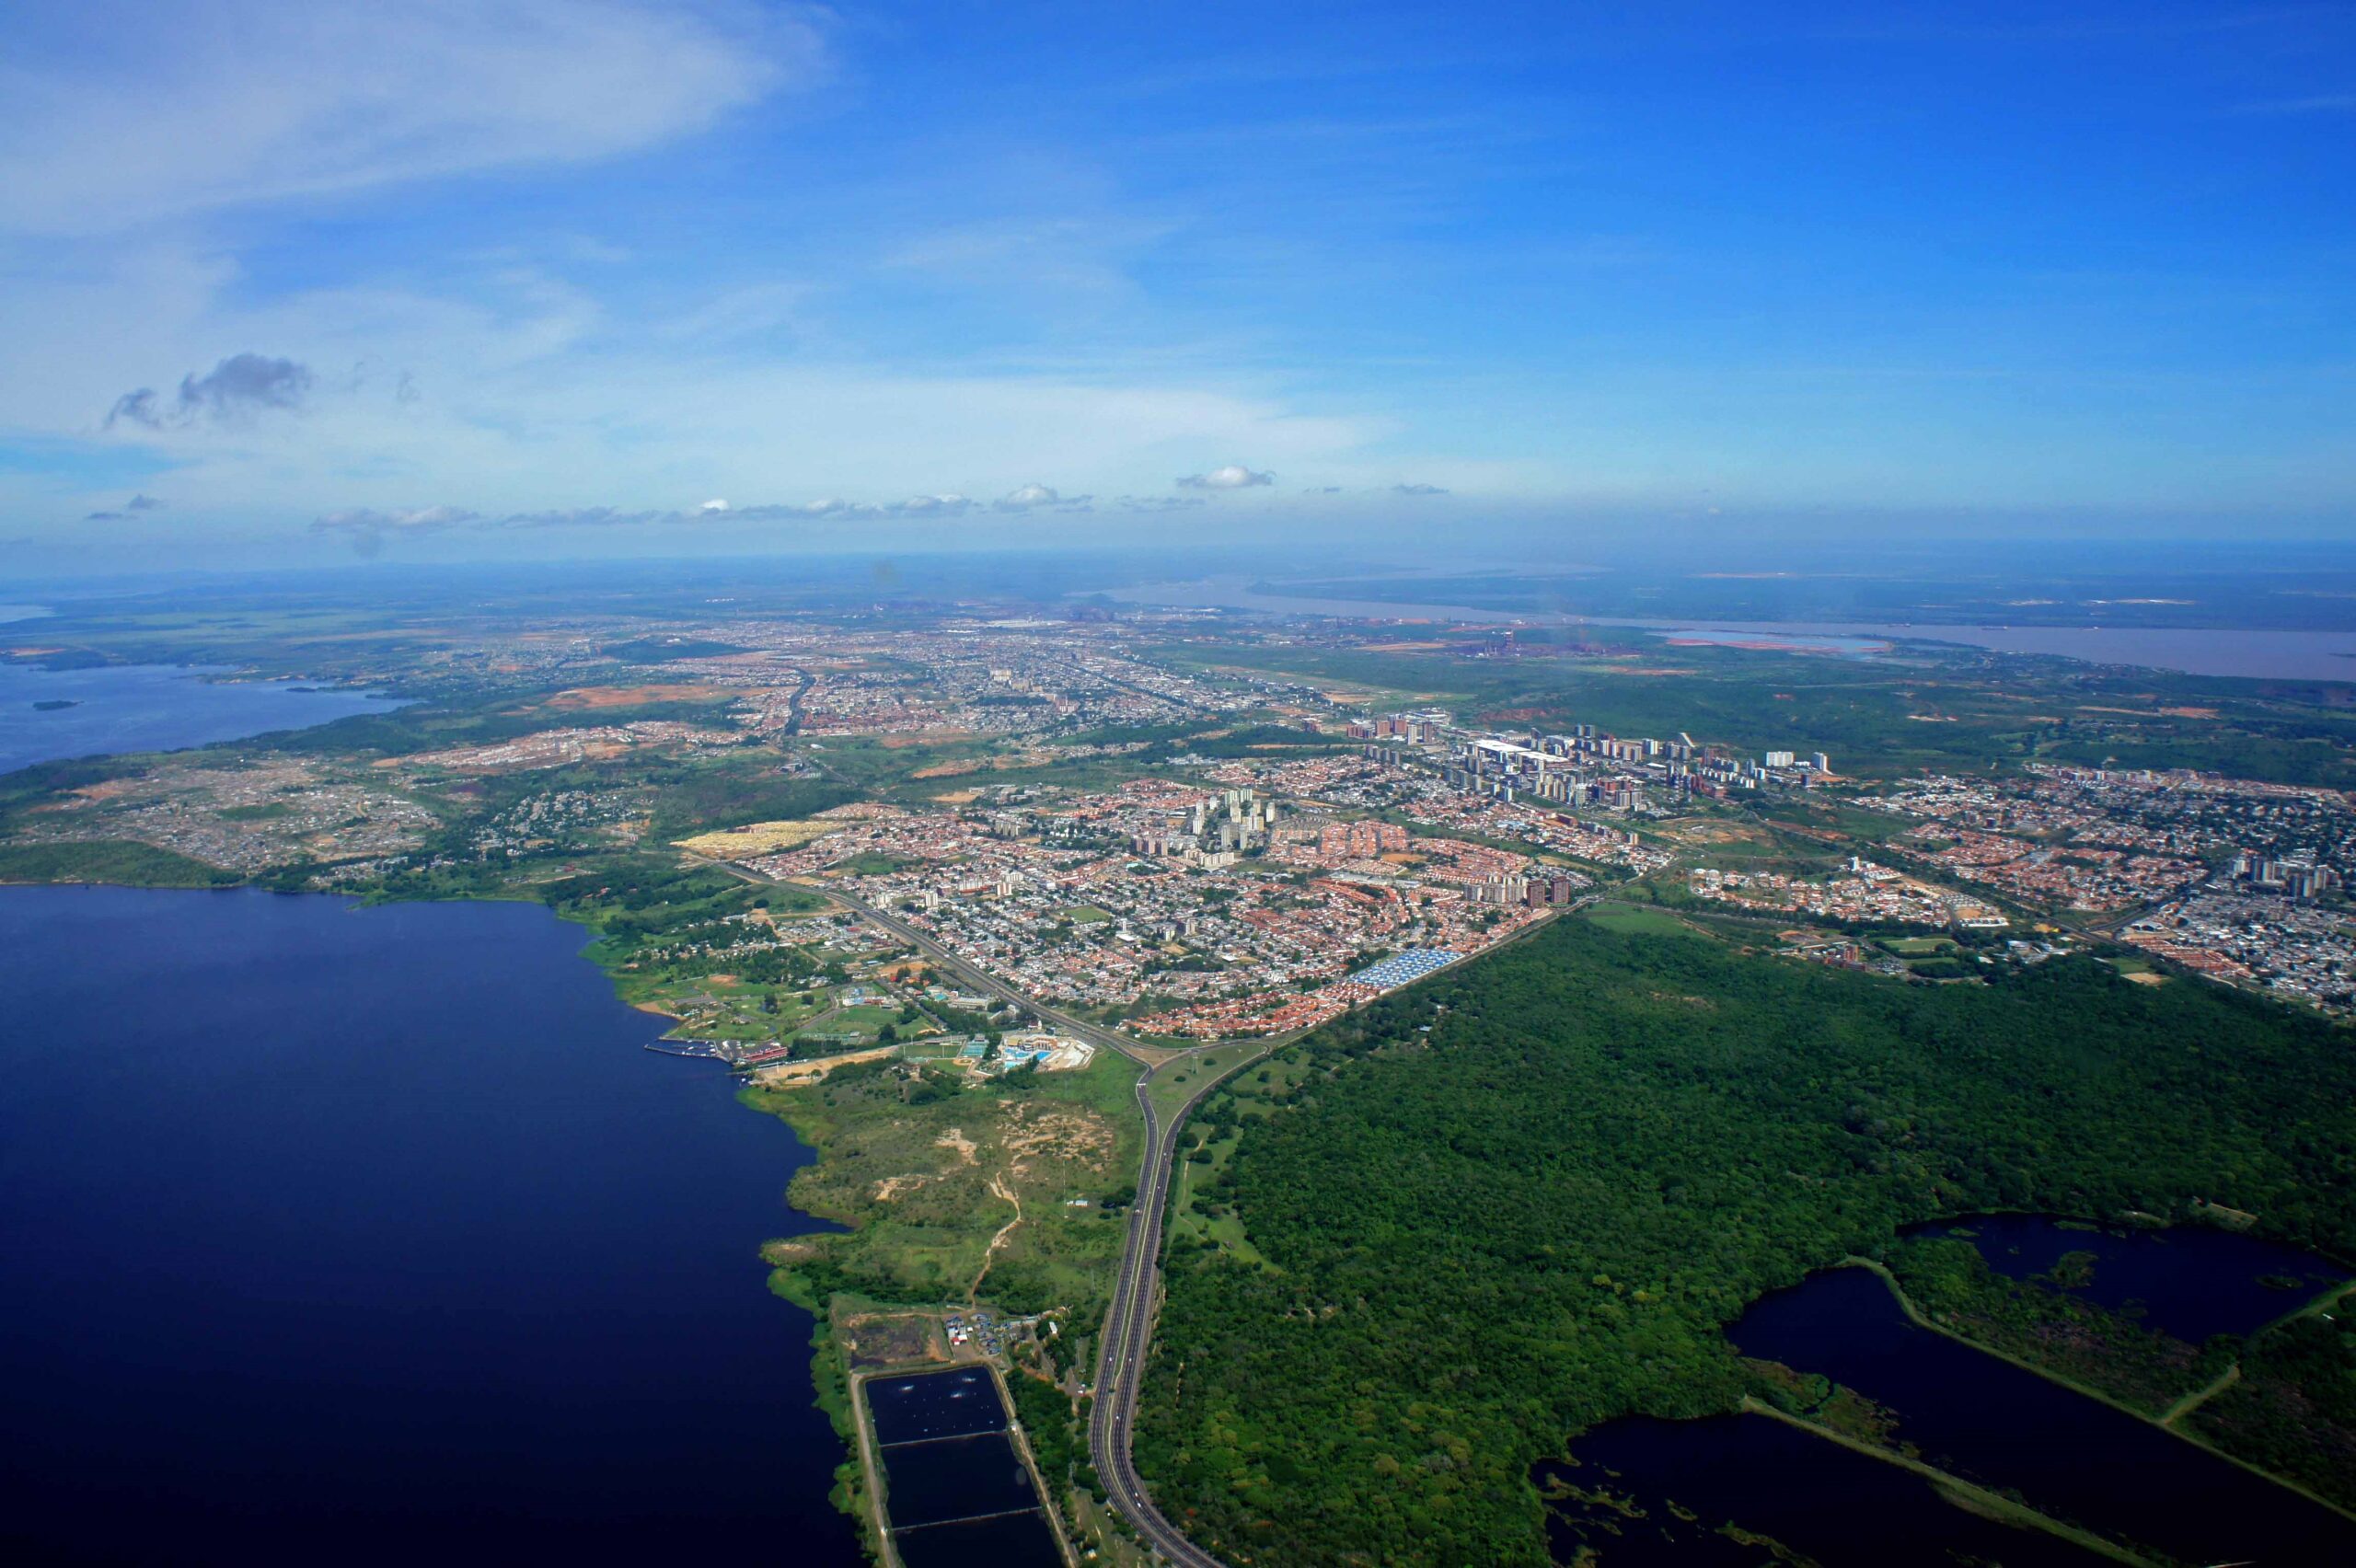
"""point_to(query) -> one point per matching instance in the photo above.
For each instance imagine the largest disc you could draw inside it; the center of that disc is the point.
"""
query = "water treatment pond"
(955, 1489)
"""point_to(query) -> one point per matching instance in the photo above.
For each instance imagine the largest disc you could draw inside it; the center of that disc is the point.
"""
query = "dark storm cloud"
(235, 390)
(136, 504)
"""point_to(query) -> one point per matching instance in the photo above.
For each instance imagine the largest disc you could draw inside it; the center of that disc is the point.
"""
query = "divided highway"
(1128, 1327)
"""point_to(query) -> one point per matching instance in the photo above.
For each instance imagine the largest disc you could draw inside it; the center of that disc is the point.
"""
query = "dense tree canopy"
(1481, 1240)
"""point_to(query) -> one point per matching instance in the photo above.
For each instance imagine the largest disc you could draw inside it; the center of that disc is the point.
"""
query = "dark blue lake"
(373, 1235)
(2189, 1282)
(132, 707)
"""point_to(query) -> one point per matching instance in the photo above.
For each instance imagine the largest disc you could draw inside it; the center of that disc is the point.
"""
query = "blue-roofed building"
(1401, 967)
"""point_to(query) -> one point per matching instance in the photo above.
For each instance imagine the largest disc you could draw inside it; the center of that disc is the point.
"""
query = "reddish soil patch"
(633, 696)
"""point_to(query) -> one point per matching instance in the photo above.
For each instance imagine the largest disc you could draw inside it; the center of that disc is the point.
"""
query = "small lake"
(1840, 1507)
(374, 1236)
(136, 708)
(1970, 1414)
(955, 1489)
(2189, 1282)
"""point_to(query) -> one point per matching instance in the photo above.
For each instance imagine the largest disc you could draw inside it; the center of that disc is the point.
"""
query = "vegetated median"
(1469, 1244)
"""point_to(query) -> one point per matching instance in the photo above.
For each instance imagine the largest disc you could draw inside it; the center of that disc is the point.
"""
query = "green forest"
(1494, 1210)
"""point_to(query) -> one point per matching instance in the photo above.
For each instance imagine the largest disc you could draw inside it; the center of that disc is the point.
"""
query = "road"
(982, 980)
(1128, 1330)
(1128, 1327)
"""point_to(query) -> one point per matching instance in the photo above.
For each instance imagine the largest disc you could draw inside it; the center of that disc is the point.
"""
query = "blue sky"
(521, 279)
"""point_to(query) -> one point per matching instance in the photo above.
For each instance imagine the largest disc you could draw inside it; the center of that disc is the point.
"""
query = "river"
(373, 1234)
(2265, 654)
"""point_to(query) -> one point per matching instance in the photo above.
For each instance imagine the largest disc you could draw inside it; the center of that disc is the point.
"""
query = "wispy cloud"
(2323, 103)
(412, 520)
(121, 114)
(375, 525)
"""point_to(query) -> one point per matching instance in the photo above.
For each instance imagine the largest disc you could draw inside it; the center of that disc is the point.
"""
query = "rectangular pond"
(956, 1490)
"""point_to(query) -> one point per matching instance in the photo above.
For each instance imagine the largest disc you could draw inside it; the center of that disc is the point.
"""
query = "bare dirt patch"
(756, 838)
(581, 698)
(892, 1339)
(1035, 1132)
(788, 1073)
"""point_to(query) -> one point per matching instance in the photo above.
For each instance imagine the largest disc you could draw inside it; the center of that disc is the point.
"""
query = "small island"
(52, 704)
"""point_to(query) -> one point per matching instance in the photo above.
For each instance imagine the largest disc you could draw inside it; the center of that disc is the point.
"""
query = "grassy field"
(928, 1170)
(107, 861)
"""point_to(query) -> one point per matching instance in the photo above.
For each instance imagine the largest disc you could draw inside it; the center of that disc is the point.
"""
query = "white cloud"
(1235, 476)
(934, 505)
(1034, 497)
(122, 114)
(711, 507)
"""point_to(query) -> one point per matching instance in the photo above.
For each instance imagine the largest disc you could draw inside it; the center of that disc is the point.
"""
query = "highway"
(1128, 1330)
(1128, 1327)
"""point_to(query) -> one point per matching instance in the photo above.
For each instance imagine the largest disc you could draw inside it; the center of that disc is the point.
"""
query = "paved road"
(1128, 1327)
(981, 979)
